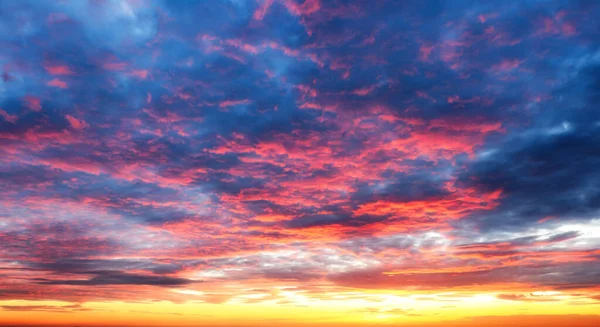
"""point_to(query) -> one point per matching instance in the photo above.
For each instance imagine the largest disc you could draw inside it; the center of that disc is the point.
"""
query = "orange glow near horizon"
(378, 309)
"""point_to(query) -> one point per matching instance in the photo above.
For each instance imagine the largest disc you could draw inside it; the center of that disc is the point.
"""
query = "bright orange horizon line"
(572, 320)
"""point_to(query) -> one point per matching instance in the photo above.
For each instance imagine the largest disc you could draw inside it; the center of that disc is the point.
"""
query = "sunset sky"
(308, 163)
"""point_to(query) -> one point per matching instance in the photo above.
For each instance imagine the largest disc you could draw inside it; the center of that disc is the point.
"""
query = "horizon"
(303, 163)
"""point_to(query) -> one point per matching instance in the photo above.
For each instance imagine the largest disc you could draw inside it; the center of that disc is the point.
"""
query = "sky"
(299, 163)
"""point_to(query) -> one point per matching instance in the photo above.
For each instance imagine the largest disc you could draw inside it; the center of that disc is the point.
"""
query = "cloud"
(120, 278)
(559, 276)
(556, 153)
(527, 297)
(47, 308)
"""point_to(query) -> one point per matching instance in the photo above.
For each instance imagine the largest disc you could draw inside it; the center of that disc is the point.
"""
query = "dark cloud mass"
(120, 278)
(202, 145)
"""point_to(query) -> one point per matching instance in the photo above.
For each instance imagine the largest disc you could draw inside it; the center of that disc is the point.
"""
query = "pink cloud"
(306, 8)
(364, 91)
(507, 65)
(115, 66)
(8, 117)
(58, 83)
(76, 123)
(425, 52)
(33, 103)
(261, 11)
(58, 70)
(142, 73)
(230, 103)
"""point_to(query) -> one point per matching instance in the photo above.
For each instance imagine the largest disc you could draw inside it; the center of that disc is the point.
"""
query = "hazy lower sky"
(299, 163)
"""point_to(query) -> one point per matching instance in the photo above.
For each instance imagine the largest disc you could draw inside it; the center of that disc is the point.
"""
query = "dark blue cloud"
(549, 169)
